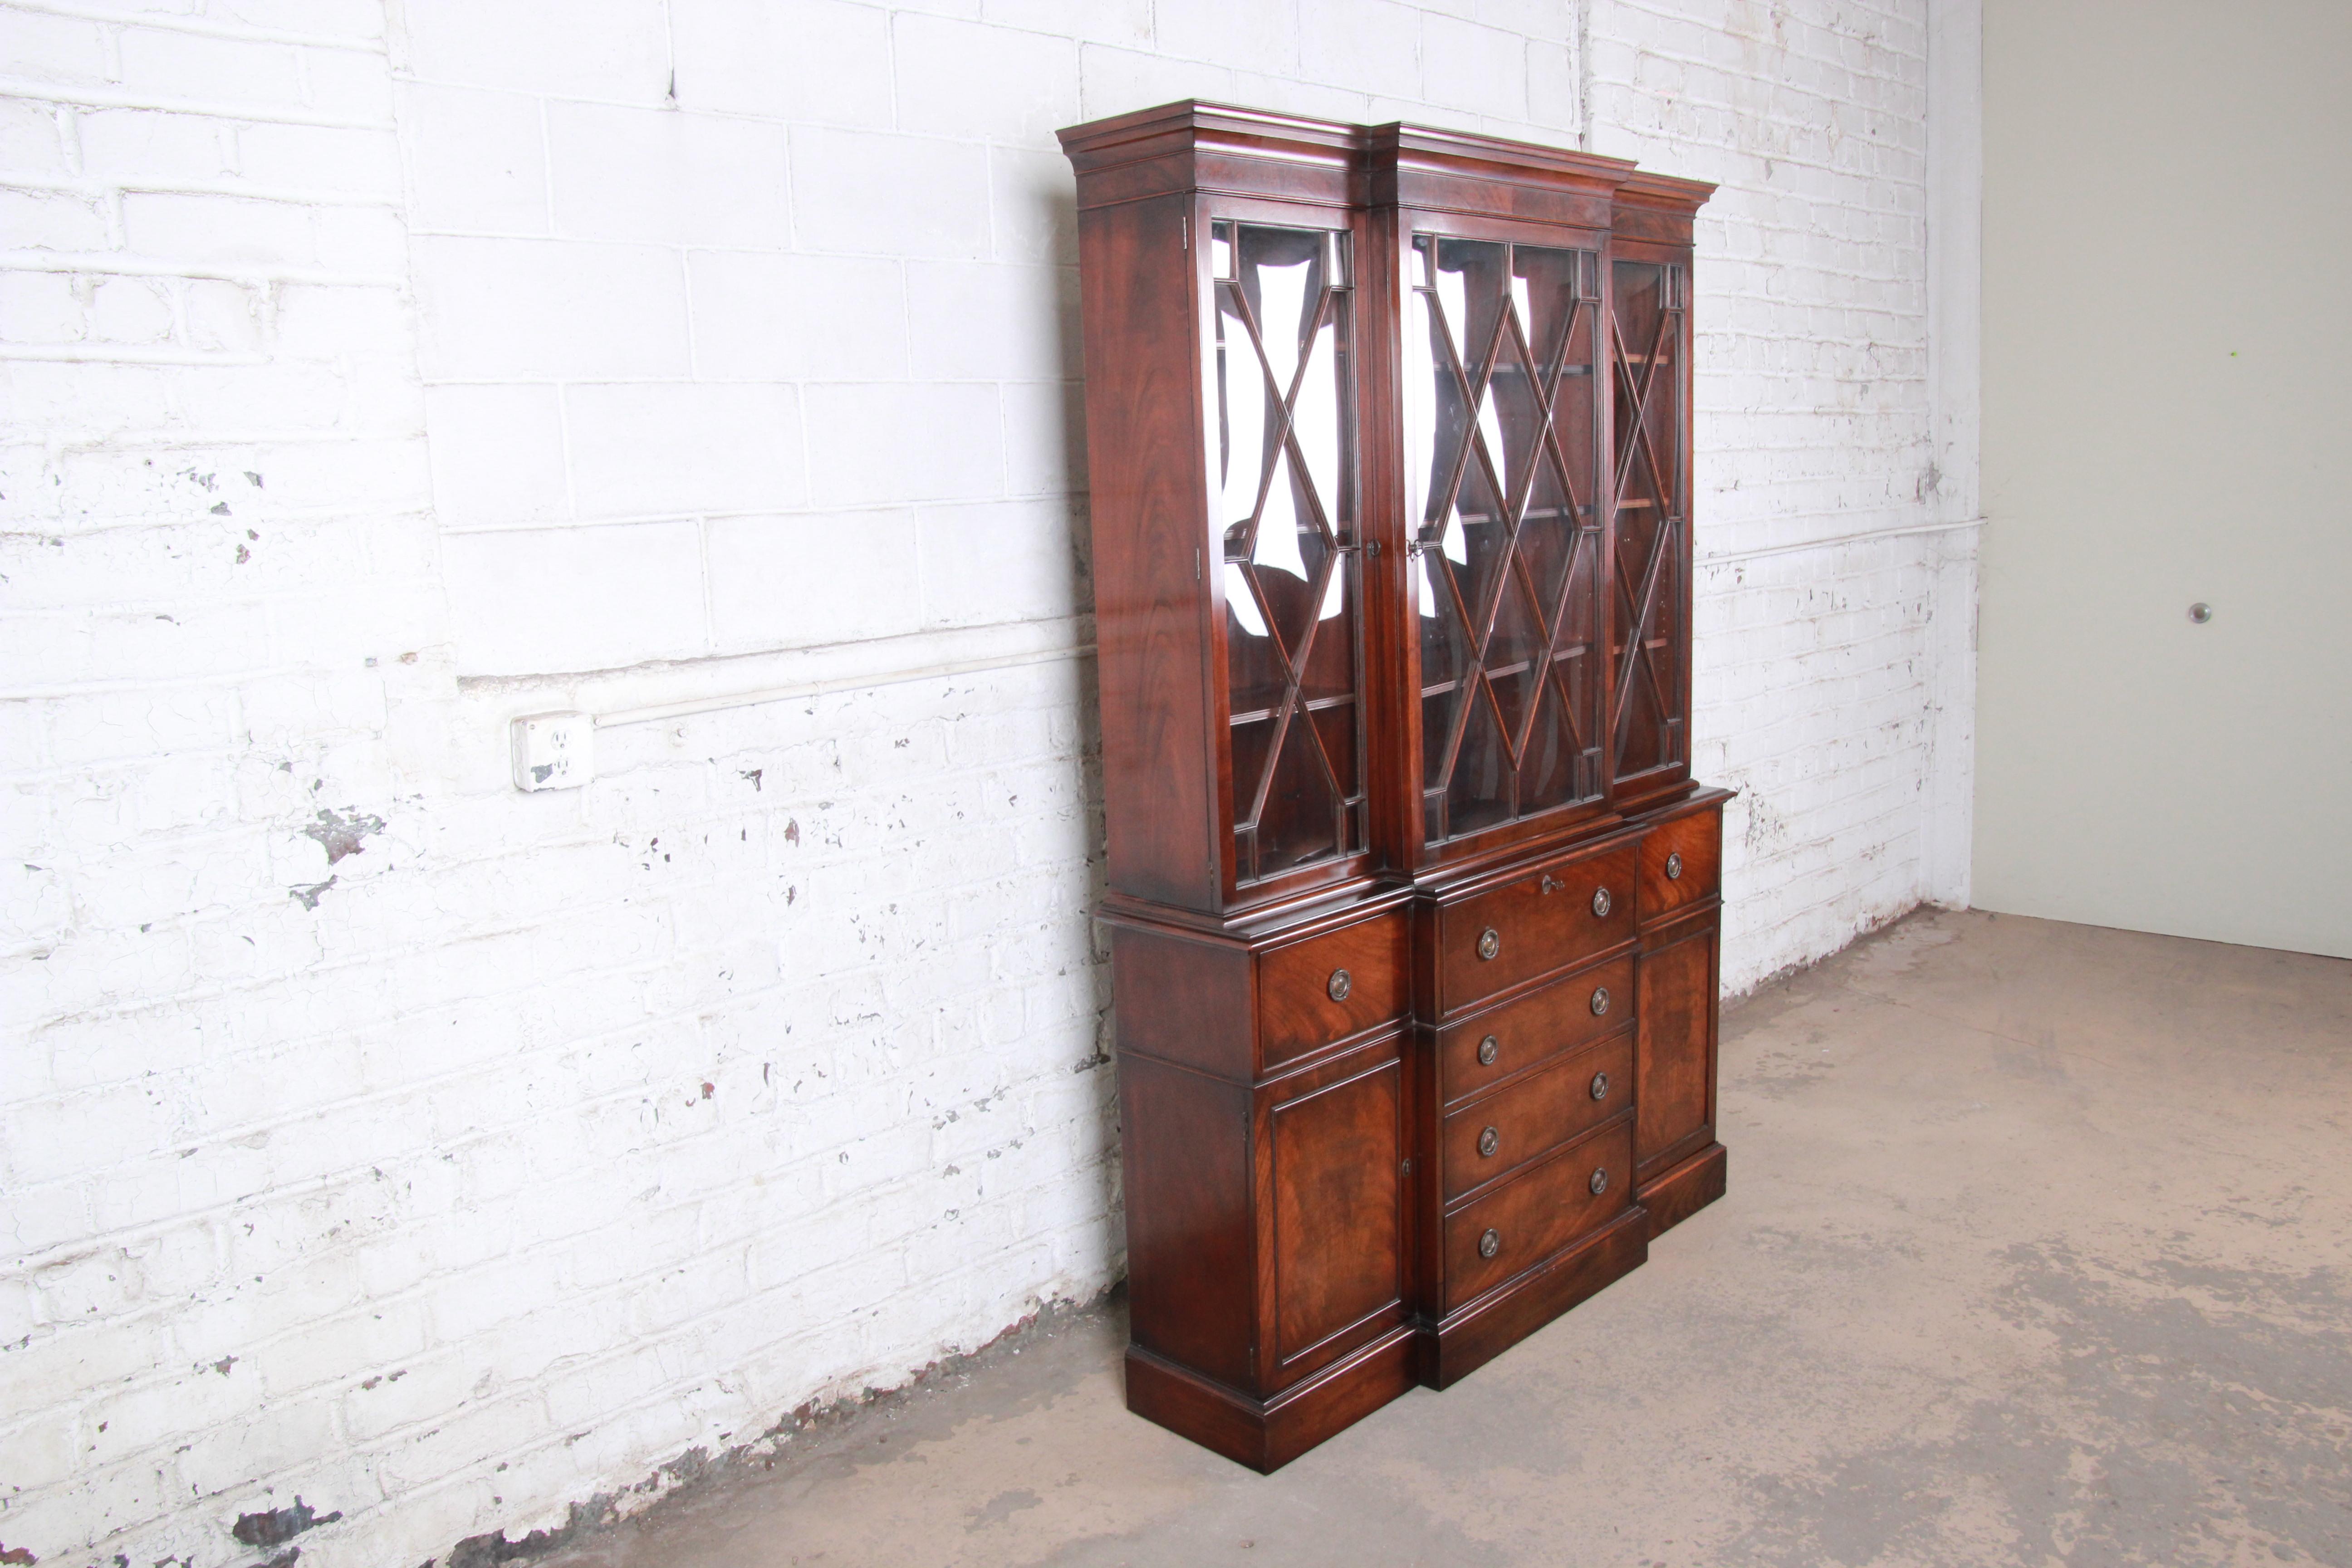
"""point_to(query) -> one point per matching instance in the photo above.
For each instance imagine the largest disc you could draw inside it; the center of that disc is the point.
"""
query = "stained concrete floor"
(2038, 1250)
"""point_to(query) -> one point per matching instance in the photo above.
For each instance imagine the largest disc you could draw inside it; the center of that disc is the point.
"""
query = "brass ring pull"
(1488, 1142)
(1490, 942)
(1601, 903)
(1675, 866)
(1599, 1001)
(1341, 983)
(1600, 1183)
(1490, 1243)
(1600, 1086)
(1488, 1049)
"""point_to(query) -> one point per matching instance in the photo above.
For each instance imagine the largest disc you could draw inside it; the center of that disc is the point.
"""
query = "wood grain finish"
(1558, 1017)
(1527, 1219)
(1339, 1220)
(1676, 1029)
(1681, 865)
(1299, 1010)
(1302, 875)
(1492, 1137)
(1550, 917)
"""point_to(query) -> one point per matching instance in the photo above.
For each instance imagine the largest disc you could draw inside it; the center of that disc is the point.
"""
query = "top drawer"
(1326, 988)
(1553, 916)
(1681, 863)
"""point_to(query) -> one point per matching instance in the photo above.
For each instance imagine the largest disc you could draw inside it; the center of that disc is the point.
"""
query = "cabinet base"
(1267, 1435)
(1486, 1329)
(1684, 1190)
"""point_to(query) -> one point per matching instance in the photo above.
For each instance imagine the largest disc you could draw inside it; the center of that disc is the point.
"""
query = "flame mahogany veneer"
(1413, 901)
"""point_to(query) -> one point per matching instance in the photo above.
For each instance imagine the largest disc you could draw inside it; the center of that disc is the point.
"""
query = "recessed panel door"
(1339, 1222)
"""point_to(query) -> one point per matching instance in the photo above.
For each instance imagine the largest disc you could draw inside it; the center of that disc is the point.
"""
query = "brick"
(1033, 207)
(497, 454)
(1264, 37)
(825, 63)
(911, 441)
(512, 309)
(1373, 46)
(962, 79)
(851, 192)
(980, 321)
(765, 316)
(538, 599)
(781, 582)
(646, 449)
(1011, 560)
(666, 177)
(479, 160)
(543, 46)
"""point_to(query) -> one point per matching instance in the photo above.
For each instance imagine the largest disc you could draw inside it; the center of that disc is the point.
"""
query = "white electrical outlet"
(554, 750)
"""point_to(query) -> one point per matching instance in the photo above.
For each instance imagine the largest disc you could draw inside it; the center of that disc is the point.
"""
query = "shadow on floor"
(2038, 1249)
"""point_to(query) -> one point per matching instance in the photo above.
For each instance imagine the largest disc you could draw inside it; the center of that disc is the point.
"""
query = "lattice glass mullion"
(1284, 419)
(1501, 428)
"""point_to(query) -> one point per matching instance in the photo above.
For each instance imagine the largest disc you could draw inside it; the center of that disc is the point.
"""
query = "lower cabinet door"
(1673, 1092)
(1336, 1150)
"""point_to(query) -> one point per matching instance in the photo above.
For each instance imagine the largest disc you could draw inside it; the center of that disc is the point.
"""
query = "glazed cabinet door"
(1502, 429)
(1649, 638)
(1280, 405)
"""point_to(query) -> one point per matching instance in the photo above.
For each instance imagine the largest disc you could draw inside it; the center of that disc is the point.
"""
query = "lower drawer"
(1491, 1136)
(1527, 1219)
(1562, 1016)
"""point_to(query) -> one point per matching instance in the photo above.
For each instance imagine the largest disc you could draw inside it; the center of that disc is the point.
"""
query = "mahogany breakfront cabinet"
(1413, 898)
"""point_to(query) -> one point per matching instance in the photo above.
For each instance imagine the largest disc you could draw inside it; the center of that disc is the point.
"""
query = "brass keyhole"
(1341, 983)
(1490, 1243)
(1488, 1142)
(1490, 942)
(1488, 1049)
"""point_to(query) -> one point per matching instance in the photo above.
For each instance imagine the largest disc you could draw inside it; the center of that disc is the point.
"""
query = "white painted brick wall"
(374, 370)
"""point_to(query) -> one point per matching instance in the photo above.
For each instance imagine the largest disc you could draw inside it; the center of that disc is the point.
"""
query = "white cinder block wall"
(447, 1157)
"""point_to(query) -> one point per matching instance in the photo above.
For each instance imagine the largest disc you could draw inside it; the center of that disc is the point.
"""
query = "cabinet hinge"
(1184, 229)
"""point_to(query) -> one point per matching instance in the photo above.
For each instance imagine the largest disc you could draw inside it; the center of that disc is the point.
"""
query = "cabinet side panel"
(1145, 457)
(1182, 1000)
(1190, 1250)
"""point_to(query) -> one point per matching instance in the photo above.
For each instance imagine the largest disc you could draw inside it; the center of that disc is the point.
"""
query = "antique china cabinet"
(1414, 900)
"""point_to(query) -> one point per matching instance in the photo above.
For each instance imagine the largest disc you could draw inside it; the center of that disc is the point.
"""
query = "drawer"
(1491, 1137)
(1682, 864)
(1527, 1219)
(1569, 1013)
(1326, 988)
(1551, 917)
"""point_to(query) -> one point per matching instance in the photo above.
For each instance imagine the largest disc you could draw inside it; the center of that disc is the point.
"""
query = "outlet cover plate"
(554, 750)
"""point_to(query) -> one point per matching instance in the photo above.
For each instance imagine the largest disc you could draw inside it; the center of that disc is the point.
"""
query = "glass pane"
(1650, 332)
(1287, 496)
(1299, 823)
(1501, 432)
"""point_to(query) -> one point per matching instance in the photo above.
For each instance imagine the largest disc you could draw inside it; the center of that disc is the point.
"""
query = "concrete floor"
(2038, 1249)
